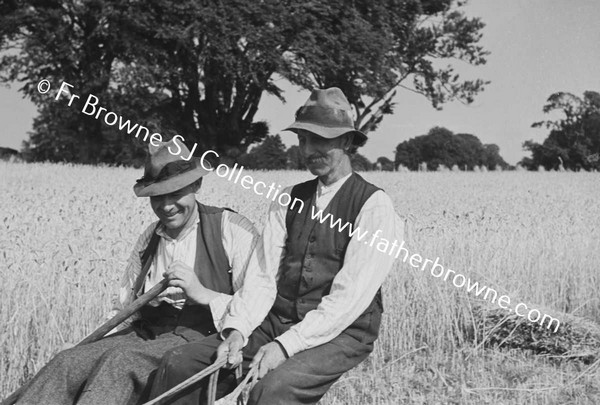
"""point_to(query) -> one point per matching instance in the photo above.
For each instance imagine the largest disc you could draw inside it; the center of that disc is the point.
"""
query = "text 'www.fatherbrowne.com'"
(415, 260)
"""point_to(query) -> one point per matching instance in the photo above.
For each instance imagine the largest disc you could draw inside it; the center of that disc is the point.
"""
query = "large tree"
(72, 41)
(370, 48)
(574, 139)
(199, 69)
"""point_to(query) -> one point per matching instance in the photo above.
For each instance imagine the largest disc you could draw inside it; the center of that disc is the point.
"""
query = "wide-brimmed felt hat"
(327, 113)
(166, 172)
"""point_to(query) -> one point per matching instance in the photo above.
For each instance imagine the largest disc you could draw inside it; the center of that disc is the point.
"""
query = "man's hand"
(267, 358)
(181, 275)
(231, 348)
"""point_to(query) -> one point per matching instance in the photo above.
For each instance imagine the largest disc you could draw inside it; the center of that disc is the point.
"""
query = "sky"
(538, 47)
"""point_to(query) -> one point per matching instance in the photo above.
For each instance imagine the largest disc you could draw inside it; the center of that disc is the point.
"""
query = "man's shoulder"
(231, 221)
(380, 197)
(150, 230)
(237, 228)
(361, 179)
(145, 236)
(210, 209)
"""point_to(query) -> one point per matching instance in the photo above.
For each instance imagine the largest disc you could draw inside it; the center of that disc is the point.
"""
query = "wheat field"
(66, 231)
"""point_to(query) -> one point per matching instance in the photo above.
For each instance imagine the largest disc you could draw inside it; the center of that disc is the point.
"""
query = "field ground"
(66, 231)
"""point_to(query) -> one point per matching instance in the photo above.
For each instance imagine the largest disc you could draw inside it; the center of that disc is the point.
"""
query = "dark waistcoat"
(314, 252)
(212, 268)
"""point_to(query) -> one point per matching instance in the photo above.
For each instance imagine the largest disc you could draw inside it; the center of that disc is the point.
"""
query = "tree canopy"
(269, 155)
(441, 147)
(295, 161)
(384, 163)
(574, 139)
(199, 69)
(360, 163)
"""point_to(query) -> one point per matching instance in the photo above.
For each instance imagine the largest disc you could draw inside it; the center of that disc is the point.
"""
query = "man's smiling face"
(175, 209)
(322, 155)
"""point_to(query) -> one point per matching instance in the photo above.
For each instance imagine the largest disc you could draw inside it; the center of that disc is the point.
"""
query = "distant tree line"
(574, 139)
(442, 148)
(9, 154)
(272, 154)
(439, 148)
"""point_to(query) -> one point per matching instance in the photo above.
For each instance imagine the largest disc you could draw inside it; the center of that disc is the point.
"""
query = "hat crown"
(160, 155)
(327, 113)
(332, 97)
(166, 171)
(327, 108)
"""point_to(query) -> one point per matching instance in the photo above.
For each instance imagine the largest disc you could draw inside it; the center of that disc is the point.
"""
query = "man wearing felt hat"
(203, 251)
(311, 306)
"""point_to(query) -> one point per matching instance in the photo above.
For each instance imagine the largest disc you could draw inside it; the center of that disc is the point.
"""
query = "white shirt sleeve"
(239, 238)
(366, 265)
(252, 302)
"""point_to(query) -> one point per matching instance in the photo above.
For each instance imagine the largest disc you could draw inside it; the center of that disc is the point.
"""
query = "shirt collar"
(322, 189)
(192, 225)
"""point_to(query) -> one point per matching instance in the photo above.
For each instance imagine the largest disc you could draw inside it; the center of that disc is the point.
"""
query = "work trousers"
(301, 379)
(115, 370)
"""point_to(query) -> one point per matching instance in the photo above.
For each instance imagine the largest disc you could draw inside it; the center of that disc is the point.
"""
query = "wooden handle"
(125, 313)
(105, 328)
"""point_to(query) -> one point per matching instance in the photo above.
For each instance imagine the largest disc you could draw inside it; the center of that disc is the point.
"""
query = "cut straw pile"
(576, 337)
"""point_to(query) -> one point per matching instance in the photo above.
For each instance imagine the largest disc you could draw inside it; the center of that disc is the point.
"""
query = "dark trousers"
(302, 379)
(115, 370)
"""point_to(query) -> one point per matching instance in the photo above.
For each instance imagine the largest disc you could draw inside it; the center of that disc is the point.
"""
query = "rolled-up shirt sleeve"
(367, 263)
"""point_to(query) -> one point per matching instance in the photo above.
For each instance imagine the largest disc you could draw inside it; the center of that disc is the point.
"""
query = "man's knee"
(67, 357)
(178, 361)
(170, 359)
(265, 392)
(276, 387)
(119, 355)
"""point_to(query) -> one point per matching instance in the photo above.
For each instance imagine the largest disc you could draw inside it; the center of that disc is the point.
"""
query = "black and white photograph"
(299, 202)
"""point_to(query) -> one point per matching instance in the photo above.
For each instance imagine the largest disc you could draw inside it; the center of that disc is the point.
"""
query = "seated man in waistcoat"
(311, 306)
(203, 251)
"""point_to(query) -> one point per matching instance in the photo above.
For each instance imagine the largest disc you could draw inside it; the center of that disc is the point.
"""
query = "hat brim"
(328, 132)
(170, 185)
